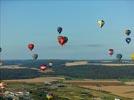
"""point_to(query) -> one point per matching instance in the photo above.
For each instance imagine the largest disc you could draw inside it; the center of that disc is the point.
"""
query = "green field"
(61, 91)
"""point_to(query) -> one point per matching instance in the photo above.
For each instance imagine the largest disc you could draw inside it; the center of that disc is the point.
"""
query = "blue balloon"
(59, 29)
(0, 49)
(128, 40)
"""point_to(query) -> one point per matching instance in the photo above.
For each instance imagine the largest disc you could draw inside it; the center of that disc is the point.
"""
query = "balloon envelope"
(31, 46)
(62, 40)
(35, 56)
(49, 96)
(43, 67)
(110, 52)
(101, 23)
(127, 32)
(2, 85)
(0, 49)
(50, 64)
(59, 29)
(128, 40)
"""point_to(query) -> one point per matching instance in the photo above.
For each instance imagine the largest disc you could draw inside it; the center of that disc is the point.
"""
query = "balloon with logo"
(101, 23)
(119, 57)
(34, 56)
(110, 52)
(59, 29)
(49, 96)
(128, 40)
(43, 67)
(127, 32)
(62, 40)
(31, 46)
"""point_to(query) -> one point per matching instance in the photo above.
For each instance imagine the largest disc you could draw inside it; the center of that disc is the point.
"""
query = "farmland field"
(113, 87)
(72, 89)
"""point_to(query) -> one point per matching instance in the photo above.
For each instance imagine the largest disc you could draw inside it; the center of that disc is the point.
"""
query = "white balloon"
(101, 23)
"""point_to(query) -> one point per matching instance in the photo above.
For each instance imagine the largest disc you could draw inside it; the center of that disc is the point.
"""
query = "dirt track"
(37, 80)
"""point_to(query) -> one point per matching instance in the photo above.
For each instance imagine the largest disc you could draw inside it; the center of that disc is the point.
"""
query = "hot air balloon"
(110, 52)
(43, 67)
(119, 56)
(127, 32)
(62, 40)
(59, 29)
(132, 56)
(2, 85)
(0, 49)
(128, 40)
(101, 23)
(34, 56)
(49, 96)
(31, 46)
(50, 64)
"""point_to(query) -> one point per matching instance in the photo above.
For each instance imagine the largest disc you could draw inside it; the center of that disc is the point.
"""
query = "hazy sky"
(36, 21)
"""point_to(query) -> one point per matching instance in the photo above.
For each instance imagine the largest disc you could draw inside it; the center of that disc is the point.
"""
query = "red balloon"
(43, 67)
(62, 40)
(111, 51)
(31, 46)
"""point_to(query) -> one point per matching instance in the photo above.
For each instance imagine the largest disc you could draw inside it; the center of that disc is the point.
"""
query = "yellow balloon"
(132, 56)
(49, 97)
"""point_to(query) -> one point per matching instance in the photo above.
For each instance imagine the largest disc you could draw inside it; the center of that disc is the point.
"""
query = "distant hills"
(81, 70)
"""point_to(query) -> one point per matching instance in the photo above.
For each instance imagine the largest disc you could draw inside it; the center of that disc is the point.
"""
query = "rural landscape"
(66, 50)
(68, 80)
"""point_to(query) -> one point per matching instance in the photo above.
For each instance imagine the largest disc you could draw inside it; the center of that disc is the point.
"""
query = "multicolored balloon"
(101, 23)
(110, 52)
(43, 67)
(127, 32)
(49, 96)
(2, 85)
(62, 40)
